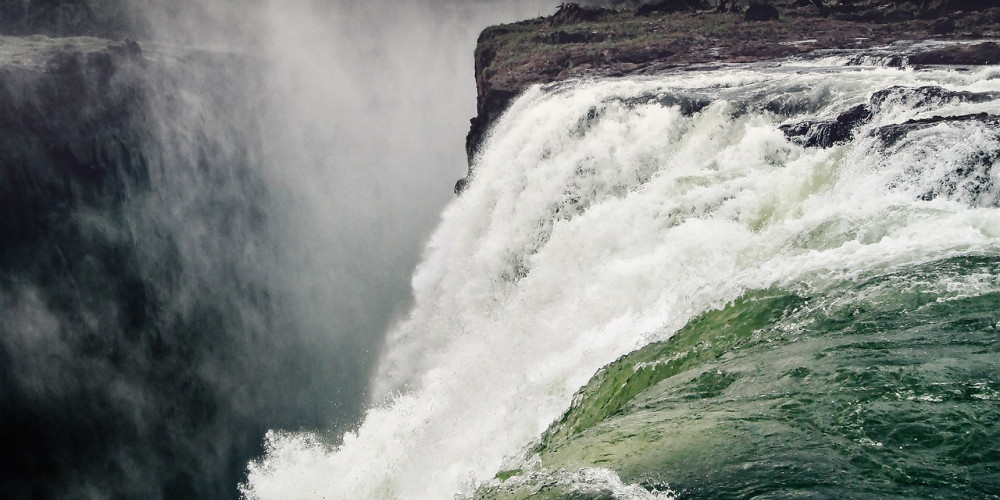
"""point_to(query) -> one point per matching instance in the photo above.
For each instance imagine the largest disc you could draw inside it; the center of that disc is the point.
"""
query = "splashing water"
(605, 215)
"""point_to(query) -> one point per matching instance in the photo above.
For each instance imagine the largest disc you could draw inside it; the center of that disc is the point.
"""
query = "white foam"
(578, 241)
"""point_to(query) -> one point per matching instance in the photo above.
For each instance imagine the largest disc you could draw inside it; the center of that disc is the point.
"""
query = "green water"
(887, 386)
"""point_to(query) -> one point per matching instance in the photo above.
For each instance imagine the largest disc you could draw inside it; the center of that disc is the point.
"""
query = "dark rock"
(461, 184)
(688, 104)
(569, 13)
(761, 12)
(886, 59)
(827, 133)
(671, 6)
(889, 135)
(854, 116)
(978, 54)
(561, 37)
(968, 5)
(489, 107)
(642, 54)
(943, 26)
(922, 96)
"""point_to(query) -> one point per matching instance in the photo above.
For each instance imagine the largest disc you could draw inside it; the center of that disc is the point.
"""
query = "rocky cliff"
(579, 42)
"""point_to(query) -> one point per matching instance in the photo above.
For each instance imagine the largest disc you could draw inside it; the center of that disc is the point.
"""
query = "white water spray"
(600, 219)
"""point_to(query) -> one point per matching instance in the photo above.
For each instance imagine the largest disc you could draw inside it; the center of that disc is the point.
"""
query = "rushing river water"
(775, 303)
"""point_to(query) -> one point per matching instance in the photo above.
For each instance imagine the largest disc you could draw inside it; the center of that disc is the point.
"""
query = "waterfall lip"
(507, 61)
(898, 54)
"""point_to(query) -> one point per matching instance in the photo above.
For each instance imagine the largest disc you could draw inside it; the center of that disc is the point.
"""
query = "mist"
(296, 157)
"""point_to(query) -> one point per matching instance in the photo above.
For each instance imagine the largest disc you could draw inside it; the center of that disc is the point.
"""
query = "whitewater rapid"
(604, 215)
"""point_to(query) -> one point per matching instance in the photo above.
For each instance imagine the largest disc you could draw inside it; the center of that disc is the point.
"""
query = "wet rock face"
(585, 42)
(761, 12)
(824, 134)
(889, 135)
(922, 96)
(974, 180)
(69, 131)
(671, 6)
(977, 54)
(573, 13)
(68, 146)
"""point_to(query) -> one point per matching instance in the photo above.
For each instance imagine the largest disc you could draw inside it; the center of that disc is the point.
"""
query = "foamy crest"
(600, 219)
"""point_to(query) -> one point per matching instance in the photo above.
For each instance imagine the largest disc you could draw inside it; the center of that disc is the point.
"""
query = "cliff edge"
(598, 42)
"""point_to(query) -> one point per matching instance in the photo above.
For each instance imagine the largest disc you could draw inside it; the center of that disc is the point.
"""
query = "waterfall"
(208, 230)
(605, 215)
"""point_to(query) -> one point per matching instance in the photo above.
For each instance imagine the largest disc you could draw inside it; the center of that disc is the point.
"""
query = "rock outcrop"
(577, 42)
(761, 12)
(70, 128)
(981, 53)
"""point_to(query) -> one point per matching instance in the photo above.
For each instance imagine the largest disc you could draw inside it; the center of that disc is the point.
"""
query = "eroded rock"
(824, 134)
(761, 12)
(978, 54)
(889, 135)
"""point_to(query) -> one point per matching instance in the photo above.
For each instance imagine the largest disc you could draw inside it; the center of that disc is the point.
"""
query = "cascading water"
(207, 231)
(609, 215)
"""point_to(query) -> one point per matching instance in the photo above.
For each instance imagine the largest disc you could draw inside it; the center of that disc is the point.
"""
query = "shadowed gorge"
(129, 332)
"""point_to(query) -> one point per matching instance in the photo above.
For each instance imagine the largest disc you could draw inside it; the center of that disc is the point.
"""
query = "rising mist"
(291, 158)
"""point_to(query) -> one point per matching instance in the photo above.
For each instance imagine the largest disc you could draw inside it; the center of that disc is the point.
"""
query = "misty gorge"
(692, 254)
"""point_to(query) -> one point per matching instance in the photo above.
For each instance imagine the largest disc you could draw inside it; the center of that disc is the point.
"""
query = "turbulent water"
(803, 318)
(207, 233)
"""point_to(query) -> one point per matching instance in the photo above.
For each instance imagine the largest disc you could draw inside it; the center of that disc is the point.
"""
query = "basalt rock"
(761, 12)
(889, 135)
(70, 112)
(671, 6)
(923, 96)
(828, 133)
(981, 53)
(586, 42)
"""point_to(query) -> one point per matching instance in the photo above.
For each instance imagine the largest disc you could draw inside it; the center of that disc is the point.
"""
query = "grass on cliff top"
(517, 43)
(529, 51)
